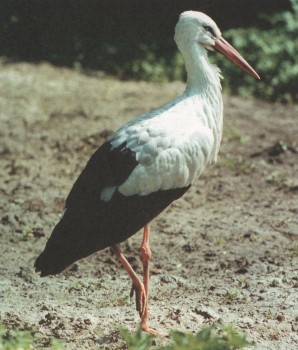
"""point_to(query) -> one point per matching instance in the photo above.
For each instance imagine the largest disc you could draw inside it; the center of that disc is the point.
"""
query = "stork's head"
(196, 28)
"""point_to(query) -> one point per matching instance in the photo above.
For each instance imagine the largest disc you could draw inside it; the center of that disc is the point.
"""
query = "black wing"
(107, 167)
(91, 224)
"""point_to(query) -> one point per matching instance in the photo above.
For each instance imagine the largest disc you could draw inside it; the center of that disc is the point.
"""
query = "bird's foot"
(149, 330)
(141, 298)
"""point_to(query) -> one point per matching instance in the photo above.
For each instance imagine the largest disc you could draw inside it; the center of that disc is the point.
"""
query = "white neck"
(202, 76)
(203, 85)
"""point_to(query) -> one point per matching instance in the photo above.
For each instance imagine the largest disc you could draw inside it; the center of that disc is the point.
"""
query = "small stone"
(206, 312)
(242, 270)
(280, 317)
(274, 283)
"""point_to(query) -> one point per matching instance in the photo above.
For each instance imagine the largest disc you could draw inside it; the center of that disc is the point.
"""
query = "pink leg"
(137, 285)
(145, 258)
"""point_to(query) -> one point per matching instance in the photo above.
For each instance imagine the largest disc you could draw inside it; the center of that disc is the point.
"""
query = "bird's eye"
(209, 29)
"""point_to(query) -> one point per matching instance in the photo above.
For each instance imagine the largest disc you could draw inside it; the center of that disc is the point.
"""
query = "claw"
(141, 299)
(149, 330)
(132, 290)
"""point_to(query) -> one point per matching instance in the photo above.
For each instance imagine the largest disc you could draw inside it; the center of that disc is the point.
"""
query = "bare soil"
(227, 251)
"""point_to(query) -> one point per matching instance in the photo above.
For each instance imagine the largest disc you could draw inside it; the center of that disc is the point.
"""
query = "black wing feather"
(108, 166)
(90, 224)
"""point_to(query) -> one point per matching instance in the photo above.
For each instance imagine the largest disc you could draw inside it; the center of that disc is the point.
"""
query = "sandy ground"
(226, 251)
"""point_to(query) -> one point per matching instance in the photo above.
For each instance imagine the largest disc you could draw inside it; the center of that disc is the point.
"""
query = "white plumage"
(174, 143)
(172, 148)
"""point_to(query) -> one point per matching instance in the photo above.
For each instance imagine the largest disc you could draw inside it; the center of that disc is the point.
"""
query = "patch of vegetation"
(242, 282)
(280, 180)
(234, 134)
(233, 294)
(220, 240)
(276, 178)
(239, 167)
(92, 41)
(11, 339)
(224, 338)
(14, 339)
(272, 53)
(138, 340)
(145, 62)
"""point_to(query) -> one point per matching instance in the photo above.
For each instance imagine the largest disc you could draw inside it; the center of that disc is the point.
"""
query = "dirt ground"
(226, 251)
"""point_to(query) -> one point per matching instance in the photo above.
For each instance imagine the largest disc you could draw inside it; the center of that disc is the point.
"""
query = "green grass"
(216, 337)
(234, 134)
(14, 339)
(239, 167)
(220, 337)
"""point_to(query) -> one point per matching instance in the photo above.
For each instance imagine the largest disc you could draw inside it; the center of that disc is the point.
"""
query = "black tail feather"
(73, 238)
(83, 231)
(50, 262)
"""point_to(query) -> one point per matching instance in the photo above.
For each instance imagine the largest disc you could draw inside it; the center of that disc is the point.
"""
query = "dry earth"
(226, 251)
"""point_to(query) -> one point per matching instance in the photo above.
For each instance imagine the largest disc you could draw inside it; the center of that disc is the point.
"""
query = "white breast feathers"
(172, 151)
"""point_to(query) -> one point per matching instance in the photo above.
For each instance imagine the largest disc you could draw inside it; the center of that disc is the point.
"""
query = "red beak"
(225, 48)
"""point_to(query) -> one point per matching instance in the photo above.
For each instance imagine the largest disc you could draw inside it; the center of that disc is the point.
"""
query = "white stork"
(147, 164)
